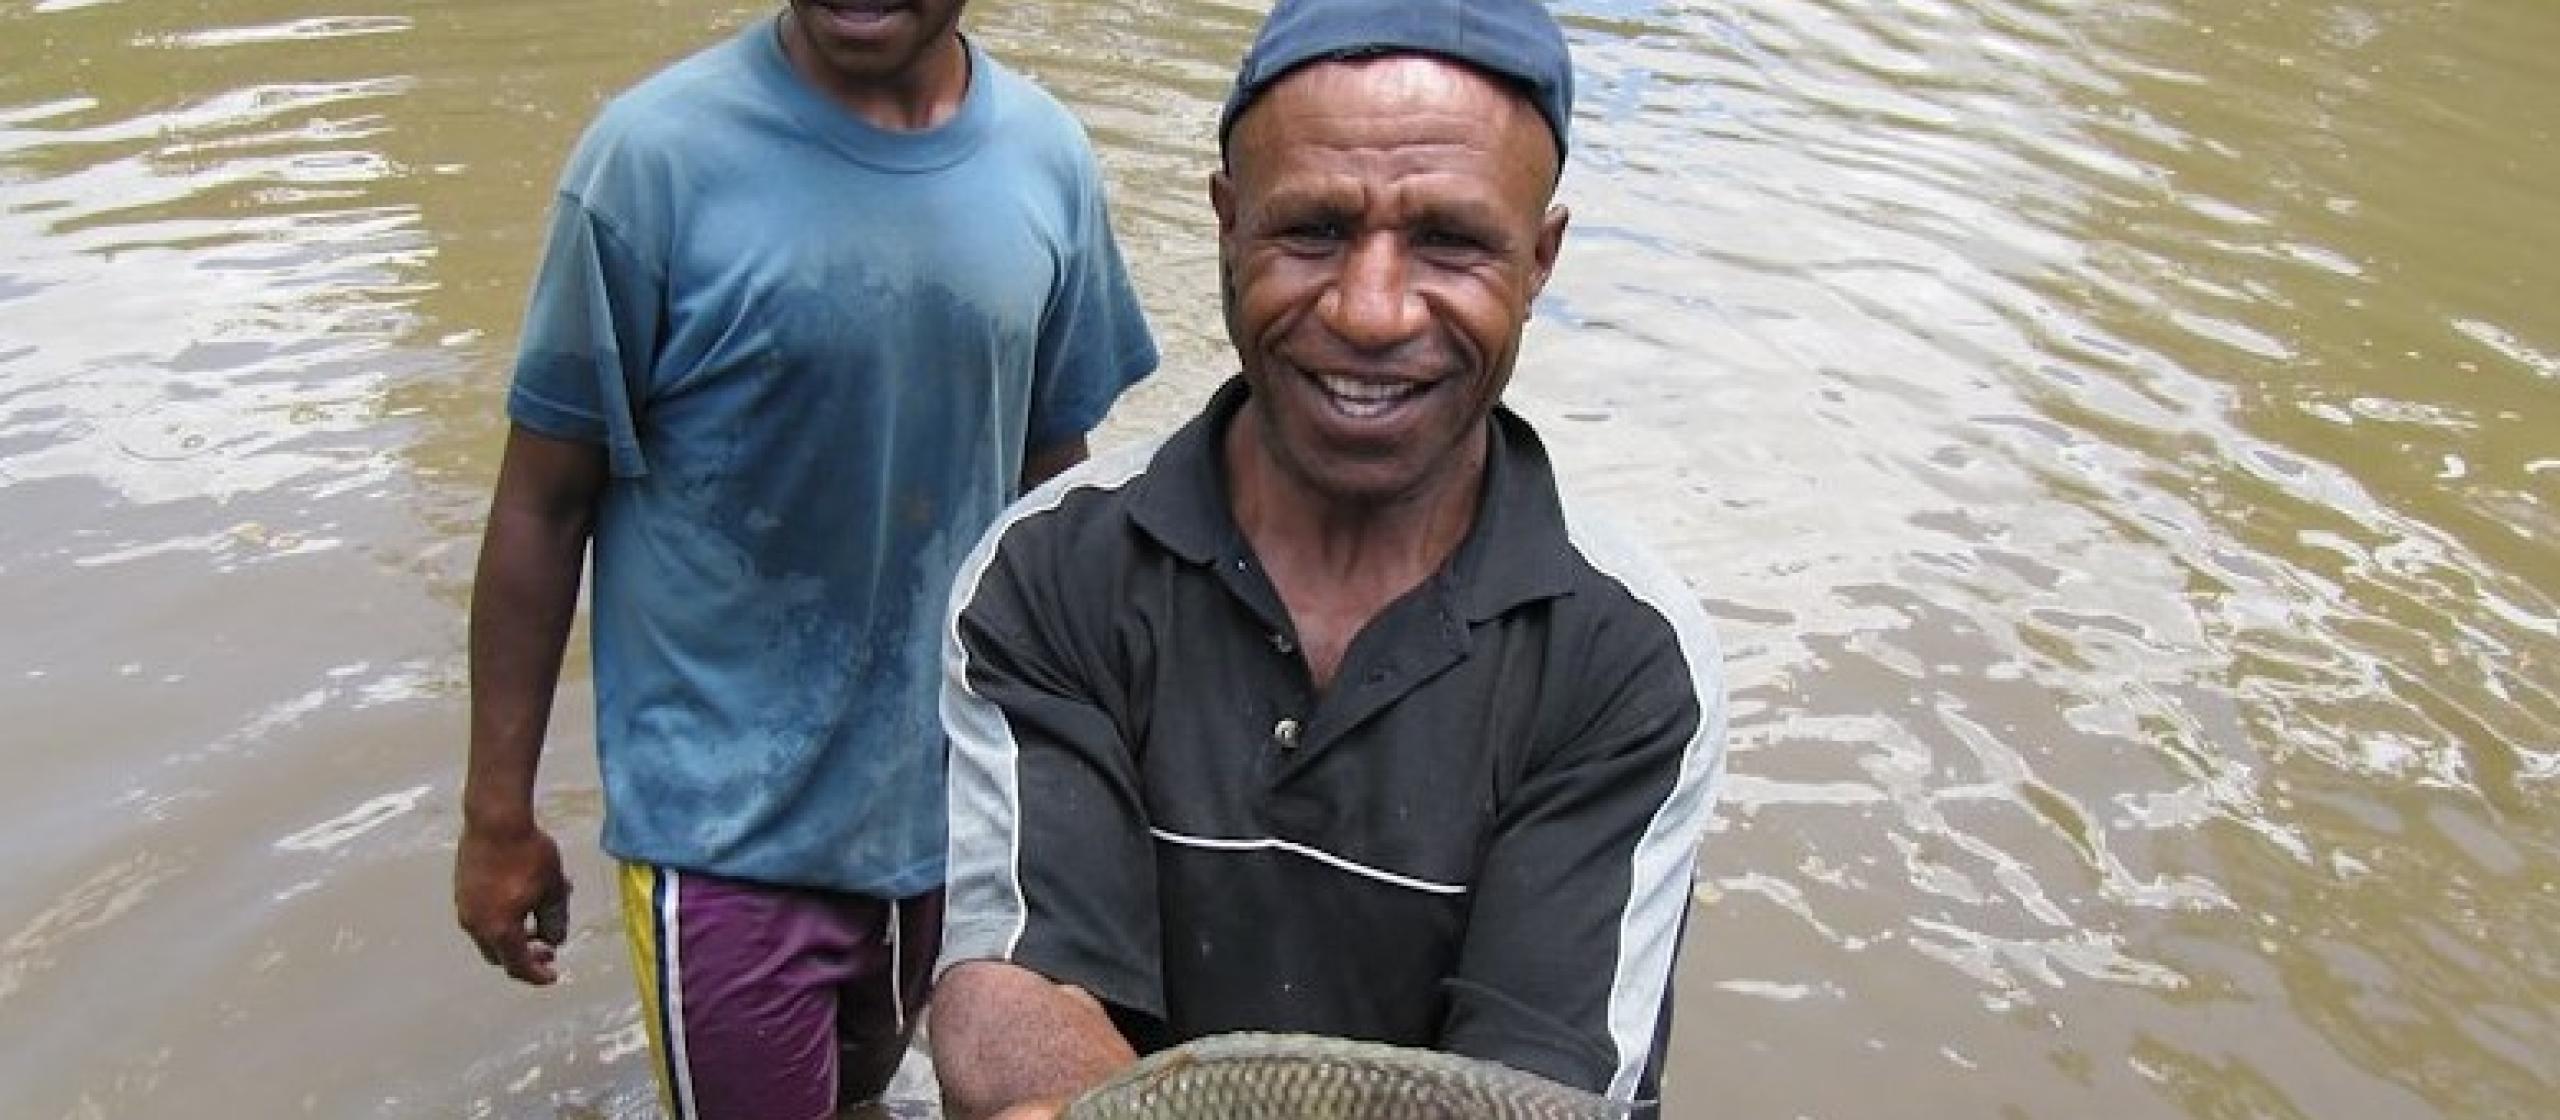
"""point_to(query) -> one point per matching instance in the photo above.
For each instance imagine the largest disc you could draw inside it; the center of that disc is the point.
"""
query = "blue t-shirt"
(815, 353)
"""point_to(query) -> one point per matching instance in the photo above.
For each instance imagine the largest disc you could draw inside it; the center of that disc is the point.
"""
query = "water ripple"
(2113, 440)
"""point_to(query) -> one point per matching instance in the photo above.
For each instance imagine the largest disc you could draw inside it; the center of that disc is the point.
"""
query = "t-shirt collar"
(860, 140)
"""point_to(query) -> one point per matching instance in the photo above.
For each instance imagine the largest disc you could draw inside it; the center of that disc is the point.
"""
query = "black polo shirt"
(1479, 838)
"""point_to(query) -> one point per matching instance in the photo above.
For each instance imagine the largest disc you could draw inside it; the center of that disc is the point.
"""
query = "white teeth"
(1367, 392)
(1364, 399)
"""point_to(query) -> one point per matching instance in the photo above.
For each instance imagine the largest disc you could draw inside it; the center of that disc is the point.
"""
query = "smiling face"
(852, 45)
(1383, 226)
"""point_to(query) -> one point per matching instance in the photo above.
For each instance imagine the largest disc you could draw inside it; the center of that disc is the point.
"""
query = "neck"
(1336, 562)
(914, 98)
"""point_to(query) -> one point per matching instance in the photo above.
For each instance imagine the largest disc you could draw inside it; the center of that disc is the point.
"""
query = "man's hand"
(503, 879)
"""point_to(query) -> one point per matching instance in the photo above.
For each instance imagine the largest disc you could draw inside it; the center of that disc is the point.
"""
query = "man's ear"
(1222, 199)
(1550, 243)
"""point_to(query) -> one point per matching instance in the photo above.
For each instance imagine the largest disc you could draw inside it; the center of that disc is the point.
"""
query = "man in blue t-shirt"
(816, 303)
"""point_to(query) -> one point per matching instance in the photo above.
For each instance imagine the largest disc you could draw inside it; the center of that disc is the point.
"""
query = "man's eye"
(1313, 231)
(1448, 239)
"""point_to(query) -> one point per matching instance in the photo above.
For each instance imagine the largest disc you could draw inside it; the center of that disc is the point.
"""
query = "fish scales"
(1252, 1076)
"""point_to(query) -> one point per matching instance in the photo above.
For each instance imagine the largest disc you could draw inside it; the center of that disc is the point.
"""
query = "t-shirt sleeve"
(1094, 341)
(1051, 863)
(1596, 850)
(590, 336)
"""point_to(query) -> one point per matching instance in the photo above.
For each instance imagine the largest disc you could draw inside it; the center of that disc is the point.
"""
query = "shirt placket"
(1288, 695)
(1399, 651)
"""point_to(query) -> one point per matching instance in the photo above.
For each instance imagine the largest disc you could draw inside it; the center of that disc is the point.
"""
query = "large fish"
(1249, 1076)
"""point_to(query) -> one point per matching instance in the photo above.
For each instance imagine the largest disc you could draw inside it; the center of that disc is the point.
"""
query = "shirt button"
(1285, 733)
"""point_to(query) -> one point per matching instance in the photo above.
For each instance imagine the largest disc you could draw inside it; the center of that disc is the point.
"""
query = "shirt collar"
(1516, 552)
(878, 148)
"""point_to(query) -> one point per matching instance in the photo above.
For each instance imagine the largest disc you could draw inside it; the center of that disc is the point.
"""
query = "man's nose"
(1372, 303)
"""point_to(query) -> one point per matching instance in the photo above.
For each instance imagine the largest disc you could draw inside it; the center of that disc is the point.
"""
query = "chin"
(1362, 483)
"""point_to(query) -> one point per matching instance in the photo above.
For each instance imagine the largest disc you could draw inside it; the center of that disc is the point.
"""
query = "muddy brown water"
(2118, 442)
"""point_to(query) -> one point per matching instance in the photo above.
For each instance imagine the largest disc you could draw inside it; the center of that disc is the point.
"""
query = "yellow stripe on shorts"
(649, 925)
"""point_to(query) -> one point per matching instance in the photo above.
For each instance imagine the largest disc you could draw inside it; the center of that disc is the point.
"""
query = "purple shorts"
(774, 1003)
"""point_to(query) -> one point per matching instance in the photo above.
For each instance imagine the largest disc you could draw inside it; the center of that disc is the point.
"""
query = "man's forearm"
(523, 602)
(1005, 1036)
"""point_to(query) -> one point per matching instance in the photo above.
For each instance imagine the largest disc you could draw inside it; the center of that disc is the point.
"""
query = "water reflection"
(2103, 654)
(2113, 440)
(217, 267)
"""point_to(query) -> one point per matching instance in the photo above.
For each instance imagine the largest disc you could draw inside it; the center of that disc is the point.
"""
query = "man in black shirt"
(1330, 713)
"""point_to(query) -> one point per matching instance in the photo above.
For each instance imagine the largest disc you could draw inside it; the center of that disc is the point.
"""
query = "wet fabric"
(815, 353)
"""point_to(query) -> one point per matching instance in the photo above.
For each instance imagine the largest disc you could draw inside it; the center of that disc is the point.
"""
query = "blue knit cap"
(1515, 40)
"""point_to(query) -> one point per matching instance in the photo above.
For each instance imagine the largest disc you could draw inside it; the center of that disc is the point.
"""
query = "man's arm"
(1041, 464)
(506, 869)
(1050, 913)
(1009, 1043)
(1094, 342)
(1596, 848)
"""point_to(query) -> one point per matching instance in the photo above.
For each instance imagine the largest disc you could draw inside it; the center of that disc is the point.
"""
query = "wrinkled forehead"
(1418, 100)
